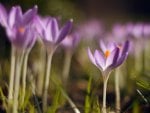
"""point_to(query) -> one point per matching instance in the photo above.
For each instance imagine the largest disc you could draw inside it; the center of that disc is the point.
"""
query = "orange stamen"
(21, 29)
(107, 53)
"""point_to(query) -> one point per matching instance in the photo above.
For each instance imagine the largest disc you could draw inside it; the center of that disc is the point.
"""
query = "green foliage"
(87, 105)
(136, 107)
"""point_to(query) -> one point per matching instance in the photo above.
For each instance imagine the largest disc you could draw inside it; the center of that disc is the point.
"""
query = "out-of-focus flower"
(90, 29)
(146, 30)
(110, 57)
(71, 41)
(122, 32)
(50, 33)
(18, 26)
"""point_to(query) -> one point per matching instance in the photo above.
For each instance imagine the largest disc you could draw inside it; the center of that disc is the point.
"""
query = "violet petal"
(100, 60)
(64, 31)
(3, 16)
(29, 15)
(55, 29)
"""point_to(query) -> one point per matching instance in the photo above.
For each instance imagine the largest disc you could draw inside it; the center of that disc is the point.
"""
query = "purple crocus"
(71, 41)
(50, 32)
(111, 56)
(52, 36)
(18, 26)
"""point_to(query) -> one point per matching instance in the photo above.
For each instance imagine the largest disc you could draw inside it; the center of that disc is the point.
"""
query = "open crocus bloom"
(18, 26)
(110, 57)
(49, 31)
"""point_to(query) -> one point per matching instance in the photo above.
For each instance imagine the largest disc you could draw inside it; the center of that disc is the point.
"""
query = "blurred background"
(108, 12)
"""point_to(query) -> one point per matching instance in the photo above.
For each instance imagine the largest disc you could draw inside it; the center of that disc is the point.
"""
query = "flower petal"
(54, 29)
(29, 15)
(13, 16)
(102, 46)
(64, 31)
(47, 32)
(3, 16)
(111, 46)
(91, 56)
(121, 59)
(30, 38)
(19, 15)
(100, 60)
(125, 47)
(112, 59)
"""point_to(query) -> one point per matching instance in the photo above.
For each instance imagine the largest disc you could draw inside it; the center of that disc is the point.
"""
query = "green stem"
(25, 63)
(117, 90)
(17, 81)
(46, 83)
(66, 67)
(12, 74)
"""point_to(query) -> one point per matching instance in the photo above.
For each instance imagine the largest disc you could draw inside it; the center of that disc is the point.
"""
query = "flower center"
(107, 53)
(21, 29)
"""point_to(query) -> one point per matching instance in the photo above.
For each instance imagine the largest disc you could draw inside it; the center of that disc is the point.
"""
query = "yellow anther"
(107, 53)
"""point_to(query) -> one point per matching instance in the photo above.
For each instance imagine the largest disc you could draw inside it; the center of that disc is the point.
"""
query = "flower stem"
(41, 68)
(25, 62)
(117, 90)
(17, 81)
(105, 78)
(46, 83)
(66, 67)
(12, 73)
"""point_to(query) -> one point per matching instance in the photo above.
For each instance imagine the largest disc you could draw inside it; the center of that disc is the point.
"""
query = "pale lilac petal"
(19, 16)
(48, 32)
(99, 58)
(11, 33)
(102, 46)
(41, 24)
(111, 46)
(91, 57)
(55, 29)
(30, 38)
(13, 16)
(3, 16)
(64, 31)
(113, 57)
(29, 15)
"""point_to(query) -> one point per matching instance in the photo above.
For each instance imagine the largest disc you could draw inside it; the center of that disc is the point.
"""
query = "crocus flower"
(50, 32)
(71, 41)
(52, 36)
(21, 34)
(18, 26)
(111, 56)
(91, 28)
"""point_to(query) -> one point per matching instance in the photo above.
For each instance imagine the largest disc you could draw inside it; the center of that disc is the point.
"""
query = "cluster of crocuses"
(22, 30)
